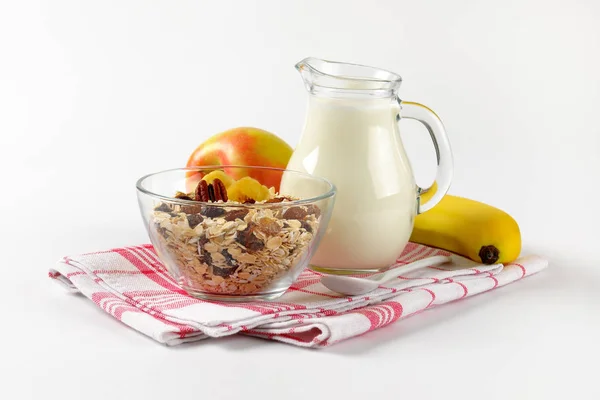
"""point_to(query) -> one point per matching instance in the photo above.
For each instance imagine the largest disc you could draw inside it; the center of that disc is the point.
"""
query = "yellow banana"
(469, 228)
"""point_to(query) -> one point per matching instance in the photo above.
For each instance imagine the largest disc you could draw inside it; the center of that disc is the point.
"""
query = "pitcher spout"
(333, 77)
(309, 71)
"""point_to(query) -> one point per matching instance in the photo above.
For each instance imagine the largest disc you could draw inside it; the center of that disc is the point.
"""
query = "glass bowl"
(229, 250)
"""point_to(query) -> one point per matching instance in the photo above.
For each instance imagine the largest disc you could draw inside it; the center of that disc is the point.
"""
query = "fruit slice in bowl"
(248, 189)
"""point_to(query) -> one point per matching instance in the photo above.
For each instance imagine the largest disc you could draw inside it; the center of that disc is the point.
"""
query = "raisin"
(232, 215)
(212, 212)
(249, 201)
(247, 239)
(306, 226)
(191, 209)
(229, 258)
(268, 226)
(182, 196)
(231, 267)
(254, 244)
(194, 220)
(223, 271)
(205, 256)
(295, 213)
(314, 210)
(241, 235)
(202, 241)
(163, 207)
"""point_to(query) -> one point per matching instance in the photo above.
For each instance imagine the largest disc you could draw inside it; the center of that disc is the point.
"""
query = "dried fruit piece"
(314, 210)
(194, 220)
(163, 207)
(295, 213)
(268, 226)
(248, 188)
(306, 226)
(191, 208)
(202, 191)
(247, 239)
(234, 214)
(201, 242)
(212, 212)
(229, 258)
(182, 196)
(249, 201)
(205, 256)
(223, 272)
(218, 174)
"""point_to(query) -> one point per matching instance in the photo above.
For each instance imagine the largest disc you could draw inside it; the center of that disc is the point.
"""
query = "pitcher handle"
(445, 163)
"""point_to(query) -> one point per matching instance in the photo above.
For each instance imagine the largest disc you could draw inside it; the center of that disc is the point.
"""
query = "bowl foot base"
(345, 271)
(233, 297)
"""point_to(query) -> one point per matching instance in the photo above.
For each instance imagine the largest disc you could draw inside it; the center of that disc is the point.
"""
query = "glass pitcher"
(351, 137)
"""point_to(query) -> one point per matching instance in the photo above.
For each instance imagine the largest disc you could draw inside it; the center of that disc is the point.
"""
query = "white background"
(94, 94)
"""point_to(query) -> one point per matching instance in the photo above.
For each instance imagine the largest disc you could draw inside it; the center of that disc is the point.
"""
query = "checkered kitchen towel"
(132, 285)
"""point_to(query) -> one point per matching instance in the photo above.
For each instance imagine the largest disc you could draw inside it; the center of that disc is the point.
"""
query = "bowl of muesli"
(223, 235)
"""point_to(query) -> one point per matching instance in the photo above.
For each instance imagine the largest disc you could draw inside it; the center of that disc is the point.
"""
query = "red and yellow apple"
(244, 146)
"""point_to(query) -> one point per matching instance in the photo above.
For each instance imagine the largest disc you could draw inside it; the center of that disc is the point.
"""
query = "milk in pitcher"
(356, 146)
(351, 138)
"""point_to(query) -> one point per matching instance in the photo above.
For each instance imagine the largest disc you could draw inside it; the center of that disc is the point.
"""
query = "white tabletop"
(532, 339)
(95, 94)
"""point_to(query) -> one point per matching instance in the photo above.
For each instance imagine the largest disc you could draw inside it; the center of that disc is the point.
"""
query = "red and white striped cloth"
(132, 285)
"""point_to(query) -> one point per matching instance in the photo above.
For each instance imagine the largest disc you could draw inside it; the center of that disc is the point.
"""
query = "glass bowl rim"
(329, 193)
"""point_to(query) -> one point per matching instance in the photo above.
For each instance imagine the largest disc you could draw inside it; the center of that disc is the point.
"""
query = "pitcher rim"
(305, 62)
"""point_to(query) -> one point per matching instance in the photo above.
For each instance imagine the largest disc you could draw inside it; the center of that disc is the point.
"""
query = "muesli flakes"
(233, 250)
